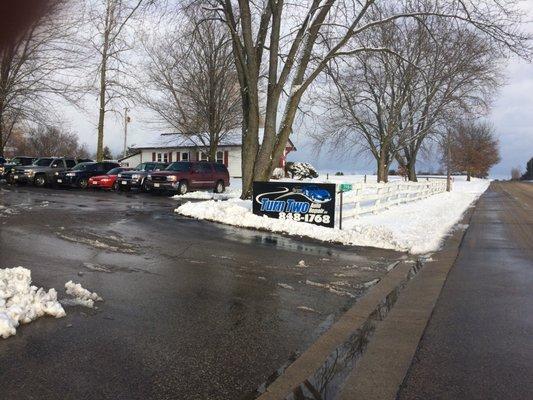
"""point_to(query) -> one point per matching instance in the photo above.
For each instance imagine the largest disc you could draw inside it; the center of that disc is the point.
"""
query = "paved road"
(479, 342)
(192, 310)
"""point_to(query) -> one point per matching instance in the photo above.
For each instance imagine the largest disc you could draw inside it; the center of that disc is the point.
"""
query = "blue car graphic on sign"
(316, 194)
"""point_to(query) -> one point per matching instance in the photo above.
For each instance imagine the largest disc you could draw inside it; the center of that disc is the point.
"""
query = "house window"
(184, 156)
(220, 157)
(203, 156)
(162, 157)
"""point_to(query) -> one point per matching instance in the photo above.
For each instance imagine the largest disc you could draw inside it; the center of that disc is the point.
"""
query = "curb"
(324, 366)
(327, 368)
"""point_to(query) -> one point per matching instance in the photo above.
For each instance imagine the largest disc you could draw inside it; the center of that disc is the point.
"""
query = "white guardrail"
(364, 198)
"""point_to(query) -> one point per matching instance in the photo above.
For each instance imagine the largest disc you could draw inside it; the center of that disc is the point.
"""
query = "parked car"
(182, 177)
(81, 173)
(107, 181)
(136, 178)
(7, 168)
(41, 172)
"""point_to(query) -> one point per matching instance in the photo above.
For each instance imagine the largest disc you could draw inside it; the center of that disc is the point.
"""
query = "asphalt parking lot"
(192, 310)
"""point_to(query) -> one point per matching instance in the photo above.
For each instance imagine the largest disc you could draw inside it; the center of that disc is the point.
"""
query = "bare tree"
(49, 141)
(474, 149)
(191, 83)
(458, 72)
(515, 174)
(36, 70)
(290, 44)
(110, 40)
(389, 102)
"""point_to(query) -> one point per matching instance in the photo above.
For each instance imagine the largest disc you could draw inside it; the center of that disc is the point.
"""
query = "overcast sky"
(511, 115)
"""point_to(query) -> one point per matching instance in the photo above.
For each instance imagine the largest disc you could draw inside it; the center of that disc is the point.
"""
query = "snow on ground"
(418, 227)
(82, 296)
(21, 303)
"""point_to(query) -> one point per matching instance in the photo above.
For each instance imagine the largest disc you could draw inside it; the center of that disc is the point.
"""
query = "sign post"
(313, 203)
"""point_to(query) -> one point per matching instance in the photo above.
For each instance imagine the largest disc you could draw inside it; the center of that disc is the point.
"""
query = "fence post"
(340, 211)
(365, 178)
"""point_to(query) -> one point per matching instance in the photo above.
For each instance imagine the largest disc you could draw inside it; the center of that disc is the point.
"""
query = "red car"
(182, 177)
(107, 181)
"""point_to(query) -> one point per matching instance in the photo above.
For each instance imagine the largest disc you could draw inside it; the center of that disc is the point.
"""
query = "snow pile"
(82, 296)
(229, 193)
(301, 170)
(278, 173)
(21, 303)
(418, 227)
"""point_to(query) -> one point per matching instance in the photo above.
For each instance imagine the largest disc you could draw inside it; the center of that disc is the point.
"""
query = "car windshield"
(115, 171)
(83, 167)
(43, 162)
(140, 167)
(16, 161)
(179, 166)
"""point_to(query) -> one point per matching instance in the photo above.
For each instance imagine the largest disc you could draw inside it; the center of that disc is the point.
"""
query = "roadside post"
(344, 187)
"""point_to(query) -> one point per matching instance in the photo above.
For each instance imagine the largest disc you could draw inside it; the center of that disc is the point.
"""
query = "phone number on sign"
(316, 218)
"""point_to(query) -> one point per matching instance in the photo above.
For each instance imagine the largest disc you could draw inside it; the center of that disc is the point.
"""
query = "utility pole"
(448, 162)
(127, 120)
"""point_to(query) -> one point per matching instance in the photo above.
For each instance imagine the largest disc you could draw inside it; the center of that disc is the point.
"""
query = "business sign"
(300, 202)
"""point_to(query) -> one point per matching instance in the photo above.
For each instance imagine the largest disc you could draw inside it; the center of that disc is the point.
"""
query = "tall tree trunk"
(213, 147)
(411, 171)
(2, 144)
(103, 83)
(250, 139)
(468, 176)
(101, 115)
(383, 167)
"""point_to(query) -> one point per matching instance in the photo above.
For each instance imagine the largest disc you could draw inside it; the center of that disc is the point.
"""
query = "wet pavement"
(479, 341)
(192, 310)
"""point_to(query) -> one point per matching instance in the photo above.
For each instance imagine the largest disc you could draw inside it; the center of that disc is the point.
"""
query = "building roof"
(178, 140)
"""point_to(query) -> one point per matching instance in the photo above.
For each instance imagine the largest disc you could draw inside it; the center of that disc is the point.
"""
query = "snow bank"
(82, 296)
(21, 303)
(418, 227)
(230, 193)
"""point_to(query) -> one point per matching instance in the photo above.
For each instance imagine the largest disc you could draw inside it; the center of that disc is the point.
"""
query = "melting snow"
(21, 303)
(418, 227)
(285, 286)
(82, 296)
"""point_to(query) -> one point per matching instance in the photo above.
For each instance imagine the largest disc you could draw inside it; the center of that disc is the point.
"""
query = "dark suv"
(136, 178)
(80, 174)
(182, 177)
(7, 168)
(42, 171)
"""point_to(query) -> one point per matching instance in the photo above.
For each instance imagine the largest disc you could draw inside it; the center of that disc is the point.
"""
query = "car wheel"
(83, 183)
(116, 186)
(145, 187)
(9, 179)
(220, 187)
(40, 180)
(183, 187)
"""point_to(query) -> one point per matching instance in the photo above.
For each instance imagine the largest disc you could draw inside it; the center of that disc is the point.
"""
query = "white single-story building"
(171, 147)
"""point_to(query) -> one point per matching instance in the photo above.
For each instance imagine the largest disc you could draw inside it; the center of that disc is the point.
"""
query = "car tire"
(144, 186)
(183, 187)
(83, 183)
(40, 180)
(9, 179)
(220, 187)
(116, 187)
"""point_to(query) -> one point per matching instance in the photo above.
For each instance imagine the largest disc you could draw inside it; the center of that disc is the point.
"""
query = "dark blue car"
(316, 194)
(80, 174)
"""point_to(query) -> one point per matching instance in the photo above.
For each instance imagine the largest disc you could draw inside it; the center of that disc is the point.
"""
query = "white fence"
(367, 198)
